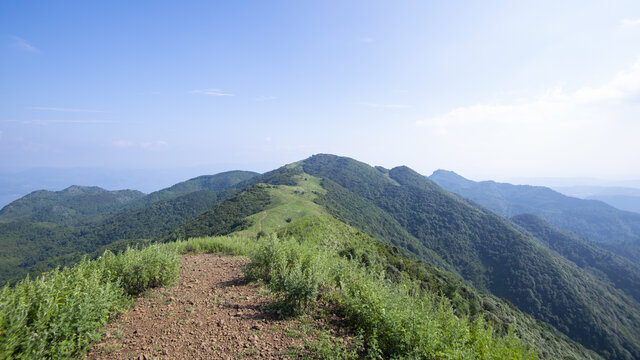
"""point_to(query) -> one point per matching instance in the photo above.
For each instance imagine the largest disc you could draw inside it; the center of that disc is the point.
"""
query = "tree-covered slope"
(621, 272)
(33, 247)
(290, 206)
(493, 255)
(409, 216)
(73, 206)
(215, 183)
(591, 219)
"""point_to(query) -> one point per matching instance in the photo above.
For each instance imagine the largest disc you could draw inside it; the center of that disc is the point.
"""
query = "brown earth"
(213, 313)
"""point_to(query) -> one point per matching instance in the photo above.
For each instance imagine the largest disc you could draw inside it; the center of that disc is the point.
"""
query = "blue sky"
(489, 89)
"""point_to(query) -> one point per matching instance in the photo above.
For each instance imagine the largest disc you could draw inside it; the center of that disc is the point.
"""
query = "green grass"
(287, 202)
(399, 320)
(398, 311)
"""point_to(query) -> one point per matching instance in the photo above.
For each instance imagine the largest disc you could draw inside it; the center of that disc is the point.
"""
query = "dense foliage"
(58, 314)
(225, 217)
(622, 273)
(363, 214)
(422, 233)
(30, 248)
(215, 183)
(73, 206)
(493, 255)
(591, 219)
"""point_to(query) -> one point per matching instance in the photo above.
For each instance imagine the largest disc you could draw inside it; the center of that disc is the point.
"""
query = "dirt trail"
(264, 216)
(211, 314)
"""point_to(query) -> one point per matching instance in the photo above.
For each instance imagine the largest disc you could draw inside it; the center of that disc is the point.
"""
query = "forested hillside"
(448, 244)
(493, 255)
(73, 206)
(289, 205)
(621, 272)
(614, 229)
(32, 246)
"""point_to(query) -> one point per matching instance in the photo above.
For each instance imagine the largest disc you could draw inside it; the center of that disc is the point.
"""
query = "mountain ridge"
(407, 213)
(613, 229)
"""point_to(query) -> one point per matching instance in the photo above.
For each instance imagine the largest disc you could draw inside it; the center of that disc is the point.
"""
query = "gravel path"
(212, 314)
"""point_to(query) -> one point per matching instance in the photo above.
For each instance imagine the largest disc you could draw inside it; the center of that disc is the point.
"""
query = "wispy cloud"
(20, 43)
(630, 22)
(553, 106)
(145, 145)
(366, 39)
(153, 144)
(558, 130)
(211, 92)
(388, 106)
(46, 122)
(58, 109)
(123, 143)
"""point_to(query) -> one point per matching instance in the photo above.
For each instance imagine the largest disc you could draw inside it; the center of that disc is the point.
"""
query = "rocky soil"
(211, 314)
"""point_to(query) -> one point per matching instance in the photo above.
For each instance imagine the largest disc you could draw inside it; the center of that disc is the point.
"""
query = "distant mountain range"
(623, 198)
(612, 228)
(75, 205)
(513, 242)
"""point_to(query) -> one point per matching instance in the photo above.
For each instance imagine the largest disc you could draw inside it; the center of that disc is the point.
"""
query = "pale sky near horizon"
(489, 89)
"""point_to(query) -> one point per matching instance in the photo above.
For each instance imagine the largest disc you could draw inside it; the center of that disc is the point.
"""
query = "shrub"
(138, 270)
(227, 245)
(292, 270)
(60, 313)
(397, 319)
(57, 315)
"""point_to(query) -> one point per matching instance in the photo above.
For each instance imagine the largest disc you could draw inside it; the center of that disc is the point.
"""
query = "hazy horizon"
(493, 91)
(15, 183)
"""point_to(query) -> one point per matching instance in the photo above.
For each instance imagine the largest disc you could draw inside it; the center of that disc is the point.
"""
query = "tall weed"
(138, 270)
(292, 270)
(398, 320)
(57, 315)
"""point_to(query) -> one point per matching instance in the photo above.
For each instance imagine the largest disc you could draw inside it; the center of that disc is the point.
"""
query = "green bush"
(227, 245)
(138, 270)
(58, 315)
(397, 320)
(294, 271)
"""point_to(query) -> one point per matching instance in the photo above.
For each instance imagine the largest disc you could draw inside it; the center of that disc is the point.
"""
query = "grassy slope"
(297, 203)
(291, 212)
(492, 254)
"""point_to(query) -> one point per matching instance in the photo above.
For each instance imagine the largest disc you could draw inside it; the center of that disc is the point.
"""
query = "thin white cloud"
(46, 122)
(152, 145)
(388, 106)
(366, 40)
(123, 143)
(630, 22)
(58, 109)
(557, 130)
(21, 44)
(555, 105)
(211, 92)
